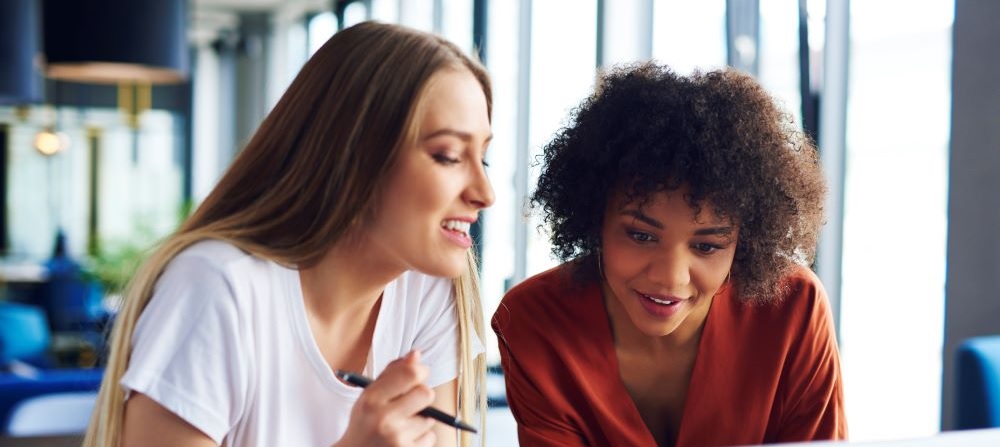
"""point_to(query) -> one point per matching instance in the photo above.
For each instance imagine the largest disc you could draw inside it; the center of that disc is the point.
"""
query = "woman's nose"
(480, 190)
(670, 269)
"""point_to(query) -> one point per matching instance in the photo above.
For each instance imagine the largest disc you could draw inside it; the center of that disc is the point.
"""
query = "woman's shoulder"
(802, 275)
(421, 286)
(213, 257)
(220, 271)
(801, 304)
(418, 298)
(798, 285)
(551, 298)
(799, 297)
(212, 251)
(802, 289)
(542, 288)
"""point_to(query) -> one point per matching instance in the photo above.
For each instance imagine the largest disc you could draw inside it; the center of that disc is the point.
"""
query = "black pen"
(431, 412)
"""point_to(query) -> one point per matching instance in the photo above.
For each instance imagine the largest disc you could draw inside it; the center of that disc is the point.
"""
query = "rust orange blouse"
(763, 374)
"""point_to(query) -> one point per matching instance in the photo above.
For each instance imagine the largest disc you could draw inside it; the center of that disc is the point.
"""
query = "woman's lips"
(659, 306)
(459, 238)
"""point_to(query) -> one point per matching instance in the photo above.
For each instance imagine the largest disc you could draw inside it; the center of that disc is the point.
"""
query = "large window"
(559, 72)
(779, 52)
(895, 216)
(563, 69)
(500, 220)
(138, 191)
(689, 35)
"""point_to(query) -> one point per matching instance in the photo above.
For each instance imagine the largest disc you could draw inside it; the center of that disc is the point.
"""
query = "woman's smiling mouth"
(659, 306)
(457, 231)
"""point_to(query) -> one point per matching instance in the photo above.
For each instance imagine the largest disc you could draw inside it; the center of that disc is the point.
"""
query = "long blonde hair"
(310, 174)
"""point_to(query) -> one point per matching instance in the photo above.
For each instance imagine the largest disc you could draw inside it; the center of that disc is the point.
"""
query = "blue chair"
(978, 371)
(52, 414)
(24, 333)
(24, 342)
(15, 389)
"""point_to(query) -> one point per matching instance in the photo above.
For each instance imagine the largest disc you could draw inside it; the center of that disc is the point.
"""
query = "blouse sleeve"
(539, 418)
(814, 397)
(537, 423)
(186, 348)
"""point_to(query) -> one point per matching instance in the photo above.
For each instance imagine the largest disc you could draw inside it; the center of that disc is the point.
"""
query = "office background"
(900, 95)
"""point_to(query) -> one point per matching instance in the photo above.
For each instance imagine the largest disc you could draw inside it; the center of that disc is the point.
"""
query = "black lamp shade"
(20, 52)
(110, 41)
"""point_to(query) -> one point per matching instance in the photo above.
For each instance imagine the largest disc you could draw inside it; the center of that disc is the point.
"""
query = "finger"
(416, 431)
(411, 402)
(428, 438)
(399, 377)
(412, 356)
(403, 430)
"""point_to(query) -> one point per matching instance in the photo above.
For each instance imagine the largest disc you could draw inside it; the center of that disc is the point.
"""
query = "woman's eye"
(639, 236)
(445, 160)
(705, 248)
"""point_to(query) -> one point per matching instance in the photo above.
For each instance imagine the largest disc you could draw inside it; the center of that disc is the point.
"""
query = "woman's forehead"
(703, 209)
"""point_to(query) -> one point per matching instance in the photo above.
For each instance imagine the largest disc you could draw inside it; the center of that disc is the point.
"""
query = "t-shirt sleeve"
(438, 336)
(814, 396)
(186, 348)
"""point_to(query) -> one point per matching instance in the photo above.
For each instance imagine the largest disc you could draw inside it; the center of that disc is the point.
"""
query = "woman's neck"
(342, 297)
(346, 282)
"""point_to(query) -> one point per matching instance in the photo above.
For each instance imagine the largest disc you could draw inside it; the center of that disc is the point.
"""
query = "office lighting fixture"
(116, 41)
(20, 52)
(48, 142)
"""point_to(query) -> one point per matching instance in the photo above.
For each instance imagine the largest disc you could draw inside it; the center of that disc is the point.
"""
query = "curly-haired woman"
(686, 209)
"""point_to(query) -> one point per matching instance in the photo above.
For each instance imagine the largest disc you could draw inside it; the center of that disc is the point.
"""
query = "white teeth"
(457, 225)
(665, 302)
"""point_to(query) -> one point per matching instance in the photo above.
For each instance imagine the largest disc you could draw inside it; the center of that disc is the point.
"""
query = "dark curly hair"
(649, 129)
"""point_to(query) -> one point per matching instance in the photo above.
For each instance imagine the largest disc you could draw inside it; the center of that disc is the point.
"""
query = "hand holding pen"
(388, 411)
(431, 412)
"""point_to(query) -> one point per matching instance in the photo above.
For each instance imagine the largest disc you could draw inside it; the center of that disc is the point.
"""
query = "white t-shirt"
(225, 344)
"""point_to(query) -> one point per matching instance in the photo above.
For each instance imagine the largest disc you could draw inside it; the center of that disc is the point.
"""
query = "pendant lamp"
(114, 41)
(20, 52)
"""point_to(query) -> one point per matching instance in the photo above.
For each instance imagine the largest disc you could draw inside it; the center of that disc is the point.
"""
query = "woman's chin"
(450, 269)
(661, 327)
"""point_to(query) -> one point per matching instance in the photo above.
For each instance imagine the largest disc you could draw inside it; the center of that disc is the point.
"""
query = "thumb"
(412, 357)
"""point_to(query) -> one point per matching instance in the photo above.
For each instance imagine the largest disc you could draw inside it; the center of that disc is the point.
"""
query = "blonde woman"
(338, 239)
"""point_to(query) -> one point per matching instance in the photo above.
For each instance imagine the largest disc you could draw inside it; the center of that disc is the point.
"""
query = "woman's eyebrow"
(708, 231)
(712, 231)
(644, 218)
(462, 135)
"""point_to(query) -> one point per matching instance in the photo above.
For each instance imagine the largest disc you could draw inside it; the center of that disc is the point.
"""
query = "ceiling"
(236, 5)
(208, 17)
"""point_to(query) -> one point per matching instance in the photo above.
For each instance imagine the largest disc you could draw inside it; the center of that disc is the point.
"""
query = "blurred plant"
(114, 262)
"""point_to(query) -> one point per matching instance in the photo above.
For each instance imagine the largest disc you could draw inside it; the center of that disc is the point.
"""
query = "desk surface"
(42, 441)
(964, 438)
(961, 438)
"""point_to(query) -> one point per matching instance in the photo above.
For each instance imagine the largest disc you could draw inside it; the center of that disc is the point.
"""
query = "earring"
(600, 263)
